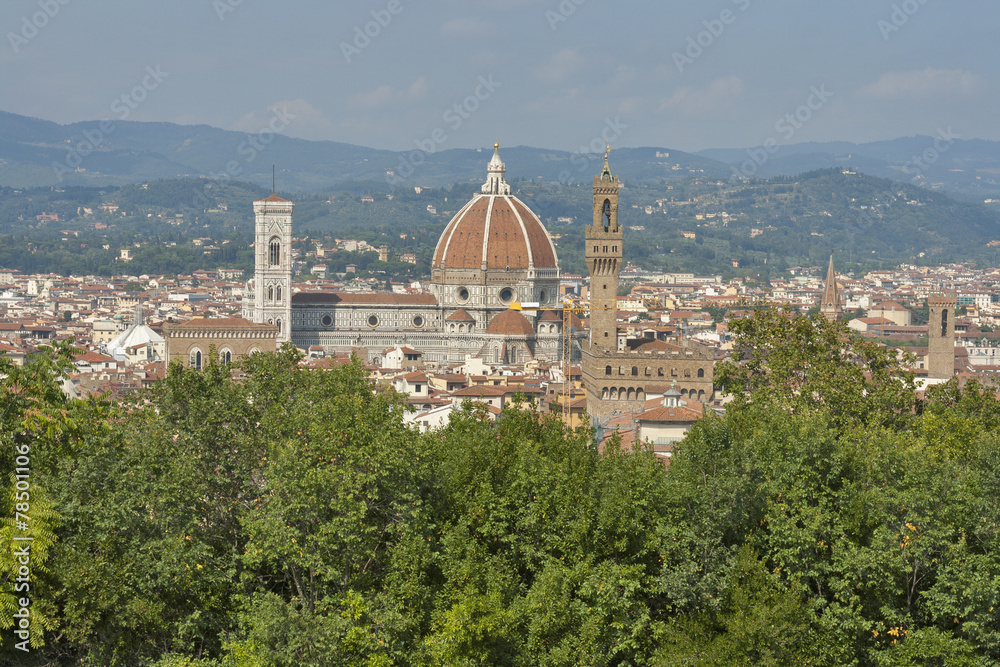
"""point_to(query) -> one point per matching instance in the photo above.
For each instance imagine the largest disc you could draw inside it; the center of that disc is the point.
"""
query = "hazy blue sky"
(559, 68)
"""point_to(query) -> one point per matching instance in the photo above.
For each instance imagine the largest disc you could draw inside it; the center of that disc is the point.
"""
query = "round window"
(506, 294)
(326, 320)
(373, 320)
(418, 321)
(463, 294)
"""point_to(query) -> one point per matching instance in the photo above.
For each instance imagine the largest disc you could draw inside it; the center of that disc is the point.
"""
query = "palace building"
(620, 373)
(495, 251)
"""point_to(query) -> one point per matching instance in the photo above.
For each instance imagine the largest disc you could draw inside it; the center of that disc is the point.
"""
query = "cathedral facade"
(493, 252)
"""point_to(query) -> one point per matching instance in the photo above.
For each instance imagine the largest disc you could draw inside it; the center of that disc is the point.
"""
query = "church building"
(495, 251)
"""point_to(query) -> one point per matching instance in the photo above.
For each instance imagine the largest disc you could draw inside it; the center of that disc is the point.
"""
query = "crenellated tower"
(604, 257)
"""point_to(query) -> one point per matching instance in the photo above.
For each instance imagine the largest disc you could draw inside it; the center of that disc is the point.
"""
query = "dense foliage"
(290, 518)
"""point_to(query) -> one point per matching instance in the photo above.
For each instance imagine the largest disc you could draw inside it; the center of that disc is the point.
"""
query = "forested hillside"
(289, 518)
(757, 228)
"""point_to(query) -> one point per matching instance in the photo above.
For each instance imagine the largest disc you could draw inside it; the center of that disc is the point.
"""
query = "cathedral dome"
(510, 323)
(495, 231)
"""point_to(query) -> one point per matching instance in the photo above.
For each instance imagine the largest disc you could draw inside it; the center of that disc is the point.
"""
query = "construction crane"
(568, 308)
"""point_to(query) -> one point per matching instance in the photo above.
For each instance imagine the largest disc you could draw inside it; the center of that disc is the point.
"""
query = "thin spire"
(274, 190)
(830, 307)
(606, 170)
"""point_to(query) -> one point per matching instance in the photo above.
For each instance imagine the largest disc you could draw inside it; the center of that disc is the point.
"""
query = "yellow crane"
(568, 308)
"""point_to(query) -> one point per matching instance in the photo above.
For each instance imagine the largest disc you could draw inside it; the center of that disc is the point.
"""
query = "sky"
(559, 74)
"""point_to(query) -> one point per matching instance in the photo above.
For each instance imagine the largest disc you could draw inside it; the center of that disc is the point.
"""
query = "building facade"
(191, 343)
(493, 252)
(941, 336)
(618, 378)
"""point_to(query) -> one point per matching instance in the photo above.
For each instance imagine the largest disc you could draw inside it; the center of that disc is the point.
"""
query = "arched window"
(607, 370)
(631, 394)
(277, 323)
(226, 356)
(635, 370)
(659, 372)
(944, 322)
(274, 252)
(649, 371)
(701, 372)
(701, 395)
(687, 372)
(277, 294)
(606, 214)
(196, 358)
(270, 294)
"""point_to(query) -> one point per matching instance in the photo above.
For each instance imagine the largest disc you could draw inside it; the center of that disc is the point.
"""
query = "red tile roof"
(510, 323)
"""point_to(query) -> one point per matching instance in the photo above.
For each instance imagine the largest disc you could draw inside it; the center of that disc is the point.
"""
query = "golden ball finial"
(496, 145)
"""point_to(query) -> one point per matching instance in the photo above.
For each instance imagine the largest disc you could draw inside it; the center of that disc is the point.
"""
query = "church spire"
(606, 170)
(830, 307)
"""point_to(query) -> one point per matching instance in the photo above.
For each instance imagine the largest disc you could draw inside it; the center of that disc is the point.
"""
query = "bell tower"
(941, 335)
(273, 264)
(604, 256)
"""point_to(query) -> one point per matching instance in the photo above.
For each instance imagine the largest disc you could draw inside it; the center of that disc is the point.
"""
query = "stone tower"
(272, 289)
(941, 339)
(830, 308)
(618, 380)
(604, 257)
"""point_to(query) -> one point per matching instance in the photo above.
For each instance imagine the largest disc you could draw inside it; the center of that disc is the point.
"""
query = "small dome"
(510, 323)
(460, 315)
(550, 316)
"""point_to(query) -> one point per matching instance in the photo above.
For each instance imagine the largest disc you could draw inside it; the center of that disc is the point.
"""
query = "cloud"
(466, 27)
(561, 66)
(386, 95)
(718, 93)
(922, 83)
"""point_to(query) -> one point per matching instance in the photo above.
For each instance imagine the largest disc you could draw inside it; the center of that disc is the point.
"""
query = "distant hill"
(37, 152)
(966, 168)
(703, 226)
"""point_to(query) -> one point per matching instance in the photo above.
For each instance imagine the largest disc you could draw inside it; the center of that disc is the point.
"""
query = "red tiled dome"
(495, 231)
(510, 323)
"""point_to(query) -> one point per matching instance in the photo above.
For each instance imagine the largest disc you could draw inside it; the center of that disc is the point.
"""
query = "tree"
(802, 364)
